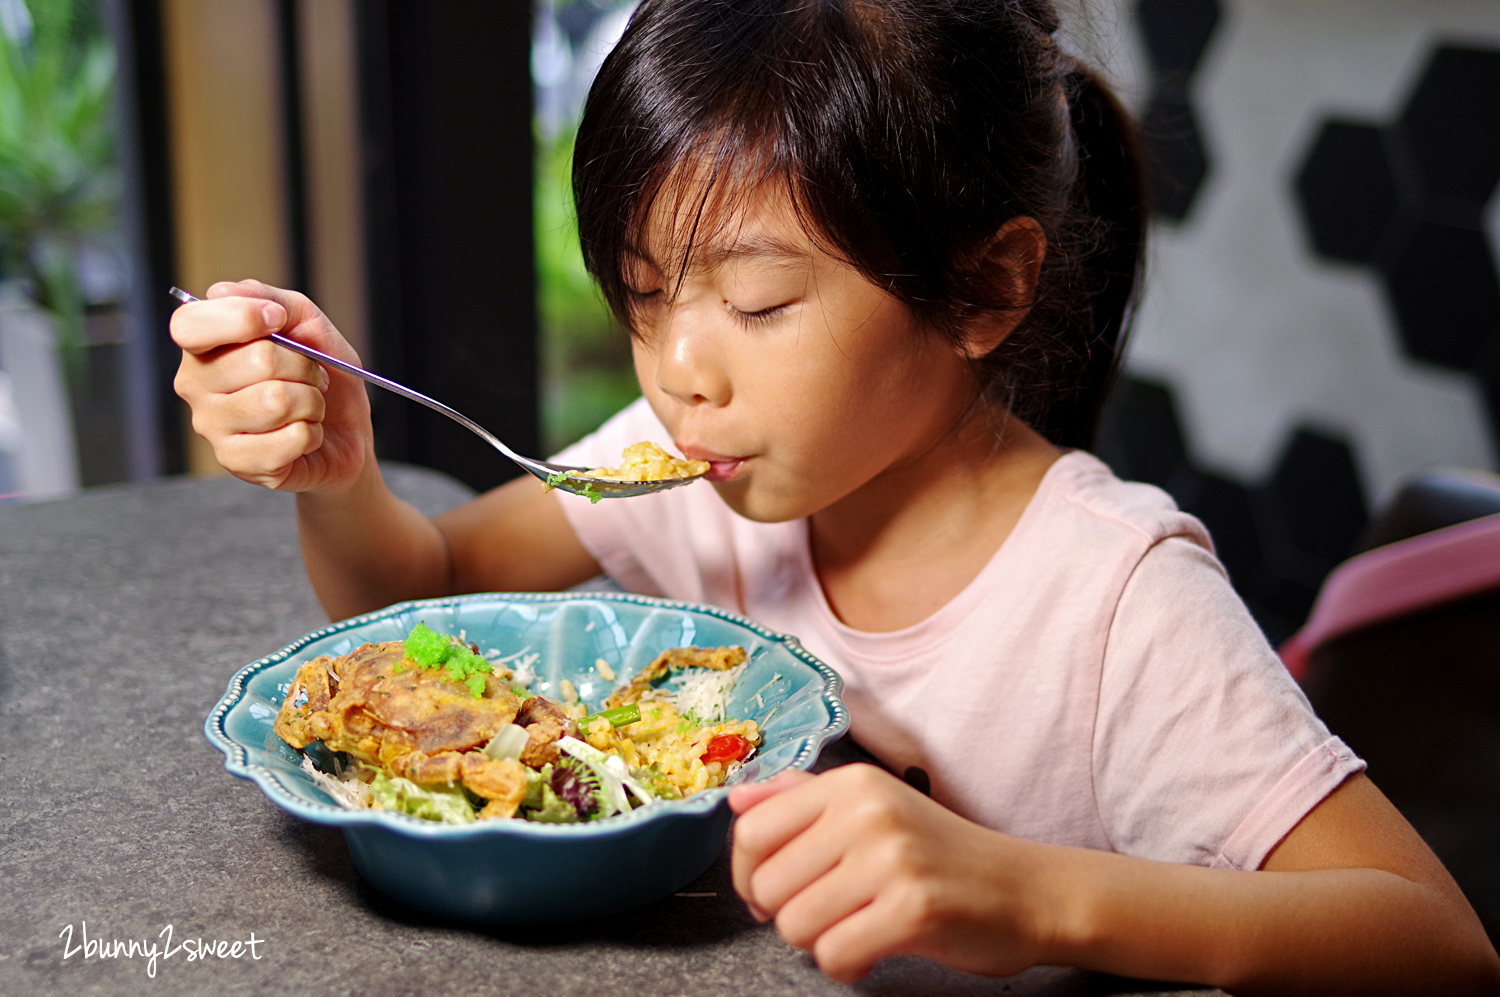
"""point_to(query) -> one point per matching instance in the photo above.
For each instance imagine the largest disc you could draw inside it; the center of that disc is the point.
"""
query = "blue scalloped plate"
(514, 871)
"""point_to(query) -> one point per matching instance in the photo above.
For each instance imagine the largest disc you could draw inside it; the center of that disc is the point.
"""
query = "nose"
(690, 365)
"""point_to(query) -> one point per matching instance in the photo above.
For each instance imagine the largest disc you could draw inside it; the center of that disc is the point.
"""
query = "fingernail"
(326, 379)
(273, 314)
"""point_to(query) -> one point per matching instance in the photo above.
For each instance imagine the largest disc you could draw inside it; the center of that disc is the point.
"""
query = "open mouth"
(720, 468)
(724, 470)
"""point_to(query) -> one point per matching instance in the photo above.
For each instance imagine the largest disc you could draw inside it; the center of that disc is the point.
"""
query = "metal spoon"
(569, 479)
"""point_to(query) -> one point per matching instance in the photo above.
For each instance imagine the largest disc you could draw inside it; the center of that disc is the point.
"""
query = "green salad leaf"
(553, 809)
(436, 803)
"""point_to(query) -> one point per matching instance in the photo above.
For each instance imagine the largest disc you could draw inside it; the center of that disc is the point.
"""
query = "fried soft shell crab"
(426, 710)
(380, 708)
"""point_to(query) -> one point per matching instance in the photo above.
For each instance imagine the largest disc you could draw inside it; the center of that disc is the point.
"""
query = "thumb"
(304, 321)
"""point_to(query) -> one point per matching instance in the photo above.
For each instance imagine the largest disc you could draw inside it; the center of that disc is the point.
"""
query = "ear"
(1008, 271)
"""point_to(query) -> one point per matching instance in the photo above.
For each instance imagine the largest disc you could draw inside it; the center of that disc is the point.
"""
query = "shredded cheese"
(705, 693)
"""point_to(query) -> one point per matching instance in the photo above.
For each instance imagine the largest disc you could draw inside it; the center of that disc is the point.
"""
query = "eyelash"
(747, 319)
(754, 318)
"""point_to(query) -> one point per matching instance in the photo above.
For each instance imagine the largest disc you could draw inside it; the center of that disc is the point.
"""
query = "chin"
(757, 506)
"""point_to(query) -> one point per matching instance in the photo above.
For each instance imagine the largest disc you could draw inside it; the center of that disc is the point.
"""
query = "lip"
(724, 470)
(720, 467)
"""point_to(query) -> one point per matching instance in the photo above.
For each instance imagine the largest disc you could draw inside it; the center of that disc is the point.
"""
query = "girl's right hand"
(273, 417)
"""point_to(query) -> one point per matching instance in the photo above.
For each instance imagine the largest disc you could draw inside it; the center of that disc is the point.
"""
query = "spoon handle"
(378, 381)
(389, 385)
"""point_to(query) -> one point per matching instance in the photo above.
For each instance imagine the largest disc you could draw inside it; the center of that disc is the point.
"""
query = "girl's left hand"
(855, 865)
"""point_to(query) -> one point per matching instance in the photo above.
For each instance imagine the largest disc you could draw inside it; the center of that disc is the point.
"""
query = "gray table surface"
(123, 613)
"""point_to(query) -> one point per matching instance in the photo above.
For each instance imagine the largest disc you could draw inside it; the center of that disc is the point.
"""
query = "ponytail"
(1111, 204)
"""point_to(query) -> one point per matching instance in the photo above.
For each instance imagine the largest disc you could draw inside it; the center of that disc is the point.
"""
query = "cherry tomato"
(726, 748)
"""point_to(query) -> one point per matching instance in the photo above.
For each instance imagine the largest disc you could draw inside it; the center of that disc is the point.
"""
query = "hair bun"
(1043, 13)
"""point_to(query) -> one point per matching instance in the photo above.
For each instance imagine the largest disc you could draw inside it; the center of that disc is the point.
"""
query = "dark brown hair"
(907, 133)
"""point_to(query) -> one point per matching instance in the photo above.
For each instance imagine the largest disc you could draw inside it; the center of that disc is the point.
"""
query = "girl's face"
(797, 379)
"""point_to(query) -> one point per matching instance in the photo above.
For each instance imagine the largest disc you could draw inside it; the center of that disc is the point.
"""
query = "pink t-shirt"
(1097, 684)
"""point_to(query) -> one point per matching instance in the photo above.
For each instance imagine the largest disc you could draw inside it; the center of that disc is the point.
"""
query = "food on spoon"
(645, 461)
(434, 729)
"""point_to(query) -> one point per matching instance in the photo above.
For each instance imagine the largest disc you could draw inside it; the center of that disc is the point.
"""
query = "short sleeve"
(1206, 751)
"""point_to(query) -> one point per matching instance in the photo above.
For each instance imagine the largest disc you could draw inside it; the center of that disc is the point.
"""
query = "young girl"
(876, 257)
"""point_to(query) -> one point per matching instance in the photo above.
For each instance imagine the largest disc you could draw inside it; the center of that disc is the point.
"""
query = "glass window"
(585, 366)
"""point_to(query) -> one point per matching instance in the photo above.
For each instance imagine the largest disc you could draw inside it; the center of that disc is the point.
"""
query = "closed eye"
(760, 317)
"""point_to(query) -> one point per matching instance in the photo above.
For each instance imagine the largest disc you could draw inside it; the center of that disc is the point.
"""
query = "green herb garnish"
(590, 492)
(556, 478)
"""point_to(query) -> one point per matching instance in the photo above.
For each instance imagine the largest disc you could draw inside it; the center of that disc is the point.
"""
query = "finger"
(267, 405)
(824, 901)
(294, 302)
(200, 326)
(304, 321)
(769, 826)
(267, 458)
(231, 368)
(891, 924)
(813, 854)
(747, 795)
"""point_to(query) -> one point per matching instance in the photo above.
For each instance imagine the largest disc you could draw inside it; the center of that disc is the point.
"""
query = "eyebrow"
(758, 249)
(761, 249)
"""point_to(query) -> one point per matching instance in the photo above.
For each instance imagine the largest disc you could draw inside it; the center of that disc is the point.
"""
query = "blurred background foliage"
(587, 374)
(58, 181)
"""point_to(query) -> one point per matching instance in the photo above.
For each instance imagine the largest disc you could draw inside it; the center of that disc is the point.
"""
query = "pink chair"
(1400, 579)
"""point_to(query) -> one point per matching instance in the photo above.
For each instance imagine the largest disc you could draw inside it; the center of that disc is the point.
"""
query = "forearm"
(1327, 931)
(365, 548)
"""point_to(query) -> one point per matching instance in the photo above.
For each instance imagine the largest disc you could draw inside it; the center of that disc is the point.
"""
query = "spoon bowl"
(561, 476)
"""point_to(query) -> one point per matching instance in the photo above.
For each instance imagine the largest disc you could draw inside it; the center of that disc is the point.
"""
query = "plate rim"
(701, 804)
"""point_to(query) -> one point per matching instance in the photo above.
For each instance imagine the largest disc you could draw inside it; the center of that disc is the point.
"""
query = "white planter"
(36, 423)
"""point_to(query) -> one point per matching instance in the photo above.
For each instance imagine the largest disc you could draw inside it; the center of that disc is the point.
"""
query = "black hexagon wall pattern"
(1407, 199)
(1176, 34)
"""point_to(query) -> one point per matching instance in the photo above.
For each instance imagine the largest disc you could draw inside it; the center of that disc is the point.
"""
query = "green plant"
(587, 371)
(58, 183)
